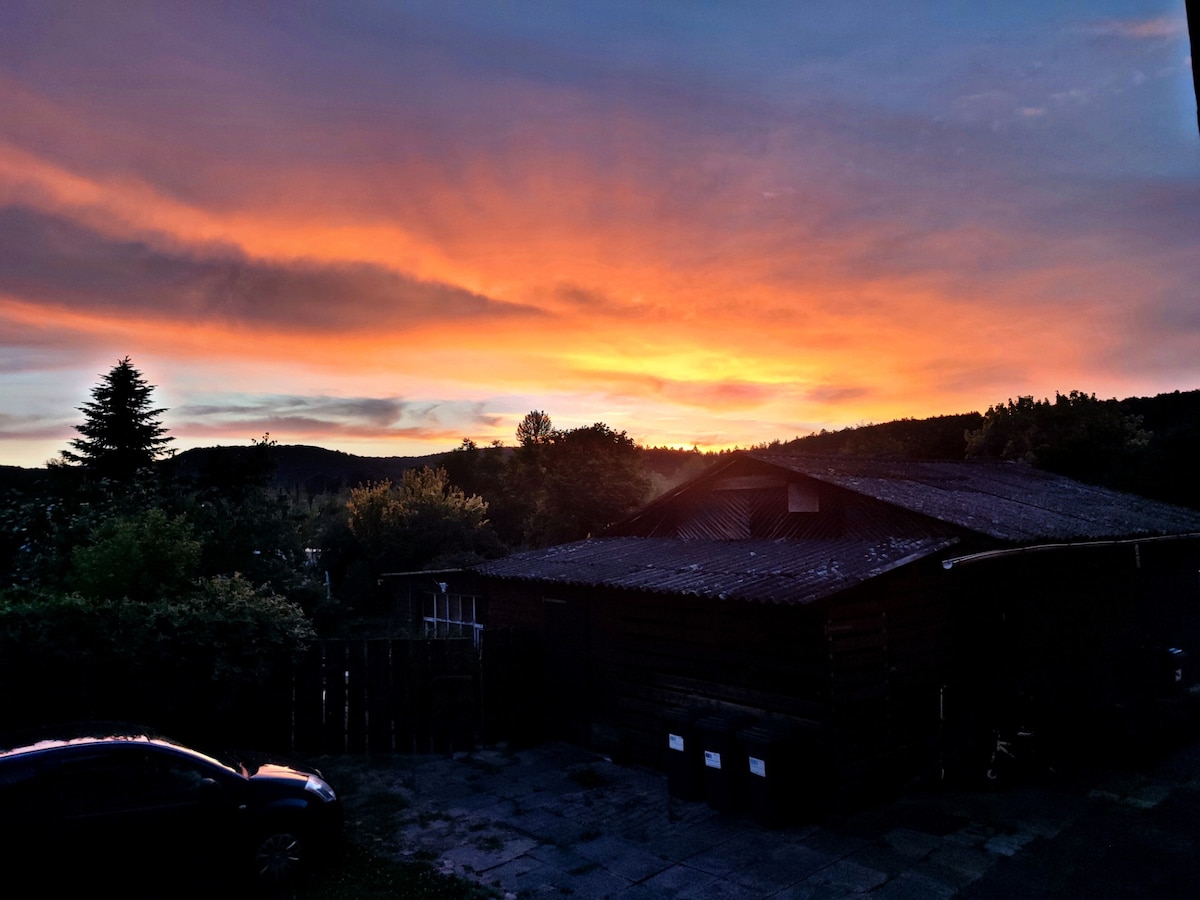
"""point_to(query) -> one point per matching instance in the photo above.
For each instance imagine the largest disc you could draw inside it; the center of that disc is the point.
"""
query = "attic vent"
(803, 498)
(749, 483)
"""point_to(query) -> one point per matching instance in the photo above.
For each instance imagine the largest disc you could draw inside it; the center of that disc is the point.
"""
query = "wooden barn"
(872, 616)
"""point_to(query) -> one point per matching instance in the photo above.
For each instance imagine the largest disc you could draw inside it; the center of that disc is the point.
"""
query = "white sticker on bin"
(712, 759)
(758, 767)
(675, 741)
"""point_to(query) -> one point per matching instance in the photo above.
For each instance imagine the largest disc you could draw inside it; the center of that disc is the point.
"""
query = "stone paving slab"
(844, 876)
(628, 861)
(558, 821)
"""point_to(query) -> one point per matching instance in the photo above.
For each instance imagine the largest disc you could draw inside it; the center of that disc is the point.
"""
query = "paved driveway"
(557, 820)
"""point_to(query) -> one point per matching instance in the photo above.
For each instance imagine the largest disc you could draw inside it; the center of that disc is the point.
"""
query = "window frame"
(455, 618)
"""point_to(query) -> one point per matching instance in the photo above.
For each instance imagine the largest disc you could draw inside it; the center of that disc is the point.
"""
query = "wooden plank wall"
(888, 657)
(510, 668)
(861, 675)
(863, 678)
(706, 655)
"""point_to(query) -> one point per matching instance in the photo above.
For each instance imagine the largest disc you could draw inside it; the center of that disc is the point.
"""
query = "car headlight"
(321, 788)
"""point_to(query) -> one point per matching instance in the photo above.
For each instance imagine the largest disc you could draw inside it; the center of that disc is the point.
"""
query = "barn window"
(452, 615)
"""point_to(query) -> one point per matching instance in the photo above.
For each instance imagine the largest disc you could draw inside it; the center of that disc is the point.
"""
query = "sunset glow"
(383, 228)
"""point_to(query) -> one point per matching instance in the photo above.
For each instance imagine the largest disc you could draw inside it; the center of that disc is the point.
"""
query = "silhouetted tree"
(424, 521)
(1166, 468)
(121, 433)
(535, 428)
(593, 477)
(1076, 435)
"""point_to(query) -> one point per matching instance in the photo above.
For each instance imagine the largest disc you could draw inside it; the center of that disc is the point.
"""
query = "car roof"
(32, 741)
(26, 739)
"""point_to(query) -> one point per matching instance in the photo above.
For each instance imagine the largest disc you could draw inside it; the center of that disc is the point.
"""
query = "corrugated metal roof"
(780, 571)
(1006, 501)
(1010, 503)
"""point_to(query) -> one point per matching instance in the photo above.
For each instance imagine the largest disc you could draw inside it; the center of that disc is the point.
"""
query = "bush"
(207, 663)
(141, 557)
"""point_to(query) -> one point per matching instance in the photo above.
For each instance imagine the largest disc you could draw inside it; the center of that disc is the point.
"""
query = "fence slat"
(420, 691)
(334, 731)
(401, 694)
(356, 697)
(380, 706)
(308, 700)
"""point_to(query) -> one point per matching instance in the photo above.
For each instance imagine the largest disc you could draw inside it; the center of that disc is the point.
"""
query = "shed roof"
(1012, 504)
(1006, 501)
(780, 571)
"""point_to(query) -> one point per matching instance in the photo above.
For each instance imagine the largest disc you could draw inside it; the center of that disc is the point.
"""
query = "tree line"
(133, 588)
(481, 503)
(132, 583)
(1143, 445)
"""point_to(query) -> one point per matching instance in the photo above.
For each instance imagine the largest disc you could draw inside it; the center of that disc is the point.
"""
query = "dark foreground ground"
(557, 820)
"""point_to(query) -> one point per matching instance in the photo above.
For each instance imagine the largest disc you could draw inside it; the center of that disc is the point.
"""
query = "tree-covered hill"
(939, 437)
(1144, 445)
(1162, 467)
(311, 470)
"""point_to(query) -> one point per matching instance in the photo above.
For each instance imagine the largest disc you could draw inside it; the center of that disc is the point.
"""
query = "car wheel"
(278, 858)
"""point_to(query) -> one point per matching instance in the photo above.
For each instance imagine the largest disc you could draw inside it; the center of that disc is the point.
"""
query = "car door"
(29, 814)
(144, 808)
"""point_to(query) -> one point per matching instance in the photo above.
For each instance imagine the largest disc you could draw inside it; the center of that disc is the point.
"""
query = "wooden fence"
(411, 695)
(346, 696)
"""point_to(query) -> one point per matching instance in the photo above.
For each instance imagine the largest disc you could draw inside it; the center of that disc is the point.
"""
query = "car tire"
(278, 857)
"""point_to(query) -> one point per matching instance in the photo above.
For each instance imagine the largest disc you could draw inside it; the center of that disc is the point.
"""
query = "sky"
(385, 227)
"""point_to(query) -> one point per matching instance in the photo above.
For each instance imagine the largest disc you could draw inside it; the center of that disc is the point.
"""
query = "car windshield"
(232, 760)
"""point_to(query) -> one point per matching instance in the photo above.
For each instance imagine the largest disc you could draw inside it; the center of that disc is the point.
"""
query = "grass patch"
(374, 791)
(363, 875)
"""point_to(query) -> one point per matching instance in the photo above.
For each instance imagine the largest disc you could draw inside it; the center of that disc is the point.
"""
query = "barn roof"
(781, 571)
(1006, 501)
(1010, 505)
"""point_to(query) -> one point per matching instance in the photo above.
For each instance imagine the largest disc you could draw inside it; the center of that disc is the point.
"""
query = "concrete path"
(559, 821)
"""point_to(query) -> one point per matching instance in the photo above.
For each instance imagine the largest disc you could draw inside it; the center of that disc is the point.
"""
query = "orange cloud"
(698, 266)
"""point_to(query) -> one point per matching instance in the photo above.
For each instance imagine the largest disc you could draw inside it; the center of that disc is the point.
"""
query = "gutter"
(1070, 545)
(423, 572)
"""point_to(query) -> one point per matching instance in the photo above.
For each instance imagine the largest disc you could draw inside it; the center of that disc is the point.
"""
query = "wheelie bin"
(724, 765)
(684, 755)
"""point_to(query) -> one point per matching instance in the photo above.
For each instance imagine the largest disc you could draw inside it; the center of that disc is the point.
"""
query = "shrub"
(186, 665)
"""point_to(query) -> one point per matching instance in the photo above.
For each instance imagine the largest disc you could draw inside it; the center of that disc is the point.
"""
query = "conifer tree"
(121, 433)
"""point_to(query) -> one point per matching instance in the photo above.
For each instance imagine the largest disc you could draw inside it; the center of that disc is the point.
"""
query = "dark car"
(81, 802)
